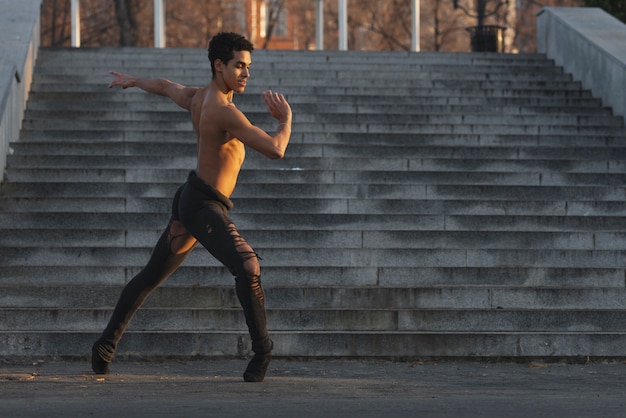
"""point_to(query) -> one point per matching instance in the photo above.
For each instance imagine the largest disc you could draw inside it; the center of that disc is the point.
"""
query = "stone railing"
(590, 44)
(19, 43)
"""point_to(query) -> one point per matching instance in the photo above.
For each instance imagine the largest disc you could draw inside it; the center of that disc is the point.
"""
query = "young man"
(200, 207)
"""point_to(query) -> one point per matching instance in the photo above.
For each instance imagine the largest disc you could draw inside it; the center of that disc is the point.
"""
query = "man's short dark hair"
(224, 44)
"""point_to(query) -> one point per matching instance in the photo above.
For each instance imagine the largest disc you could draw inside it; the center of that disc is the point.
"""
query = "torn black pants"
(204, 213)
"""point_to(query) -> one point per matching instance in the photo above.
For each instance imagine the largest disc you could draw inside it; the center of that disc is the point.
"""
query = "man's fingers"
(276, 103)
(270, 98)
(115, 81)
(275, 99)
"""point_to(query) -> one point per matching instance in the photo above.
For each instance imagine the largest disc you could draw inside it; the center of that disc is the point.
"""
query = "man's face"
(237, 71)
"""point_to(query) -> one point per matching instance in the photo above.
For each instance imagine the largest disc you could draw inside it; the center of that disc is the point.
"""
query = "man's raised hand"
(277, 105)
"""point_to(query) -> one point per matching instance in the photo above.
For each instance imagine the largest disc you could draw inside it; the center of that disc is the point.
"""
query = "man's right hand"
(278, 106)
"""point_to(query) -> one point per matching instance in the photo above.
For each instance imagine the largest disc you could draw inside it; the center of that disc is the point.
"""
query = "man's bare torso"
(221, 129)
(220, 155)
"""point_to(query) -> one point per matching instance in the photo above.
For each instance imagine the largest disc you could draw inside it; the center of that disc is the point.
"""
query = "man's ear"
(219, 65)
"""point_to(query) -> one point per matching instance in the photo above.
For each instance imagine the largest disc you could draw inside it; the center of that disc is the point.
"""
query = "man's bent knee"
(252, 270)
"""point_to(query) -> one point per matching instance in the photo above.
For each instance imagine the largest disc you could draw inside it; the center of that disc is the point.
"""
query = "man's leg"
(210, 225)
(244, 264)
(252, 300)
(170, 251)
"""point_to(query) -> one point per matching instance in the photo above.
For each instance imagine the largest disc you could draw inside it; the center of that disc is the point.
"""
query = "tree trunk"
(124, 22)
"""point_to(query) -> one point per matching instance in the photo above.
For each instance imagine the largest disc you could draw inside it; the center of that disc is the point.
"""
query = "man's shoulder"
(218, 106)
(217, 112)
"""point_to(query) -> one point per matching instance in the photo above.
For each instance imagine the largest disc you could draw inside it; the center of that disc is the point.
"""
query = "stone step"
(344, 145)
(318, 276)
(332, 257)
(140, 238)
(153, 344)
(144, 131)
(112, 99)
(418, 73)
(206, 319)
(143, 165)
(484, 140)
(81, 168)
(133, 120)
(349, 80)
(324, 60)
(183, 129)
(333, 112)
(157, 110)
(322, 221)
(416, 299)
(385, 192)
(471, 89)
(23, 203)
(311, 146)
(303, 176)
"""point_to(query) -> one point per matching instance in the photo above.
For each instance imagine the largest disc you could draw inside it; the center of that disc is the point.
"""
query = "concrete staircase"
(468, 205)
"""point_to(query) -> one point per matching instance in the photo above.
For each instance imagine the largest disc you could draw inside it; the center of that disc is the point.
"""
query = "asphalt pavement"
(319, 388)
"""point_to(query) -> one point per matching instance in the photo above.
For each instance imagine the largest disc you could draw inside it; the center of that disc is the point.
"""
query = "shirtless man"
(200, 207)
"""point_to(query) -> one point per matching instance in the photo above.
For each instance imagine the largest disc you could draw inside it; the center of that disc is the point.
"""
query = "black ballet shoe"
(255, 372)
(101, 356)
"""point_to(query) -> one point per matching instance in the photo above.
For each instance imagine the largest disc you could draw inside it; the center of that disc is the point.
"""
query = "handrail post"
(75, 13)
(319, 26)
(415, 26)
(159, 24)
(343, 25)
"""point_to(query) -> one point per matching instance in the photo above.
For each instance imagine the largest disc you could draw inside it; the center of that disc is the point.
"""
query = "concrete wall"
(591, 45)
(19, 43)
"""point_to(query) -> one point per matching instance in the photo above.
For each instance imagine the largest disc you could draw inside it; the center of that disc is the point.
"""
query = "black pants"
(204, 213)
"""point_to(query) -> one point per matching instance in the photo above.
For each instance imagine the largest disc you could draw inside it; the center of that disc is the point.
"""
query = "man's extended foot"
(255, 372)
(101, 356)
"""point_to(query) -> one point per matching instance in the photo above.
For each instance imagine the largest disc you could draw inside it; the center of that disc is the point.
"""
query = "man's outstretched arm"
(178, 93)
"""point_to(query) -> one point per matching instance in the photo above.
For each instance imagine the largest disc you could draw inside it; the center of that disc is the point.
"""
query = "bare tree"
(126, 22)
(55, 23)
(481, 11)
(191, 23)
(275, 10)
(303, 15)
(389, 23)
(441, 26)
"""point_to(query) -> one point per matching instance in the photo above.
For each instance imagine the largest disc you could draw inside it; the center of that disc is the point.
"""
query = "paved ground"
(326, 388)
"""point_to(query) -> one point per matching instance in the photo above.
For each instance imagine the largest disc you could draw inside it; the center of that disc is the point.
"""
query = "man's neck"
(218, 85)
